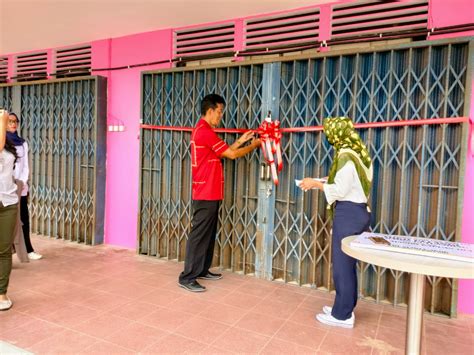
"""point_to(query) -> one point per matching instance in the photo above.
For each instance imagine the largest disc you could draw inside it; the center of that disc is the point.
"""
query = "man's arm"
(242, 140)
(230, 153)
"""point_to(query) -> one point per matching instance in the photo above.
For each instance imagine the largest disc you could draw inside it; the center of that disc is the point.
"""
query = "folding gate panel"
(64, 122)
(173, 99)
(417, 169)
(6, 97)
(279, 232)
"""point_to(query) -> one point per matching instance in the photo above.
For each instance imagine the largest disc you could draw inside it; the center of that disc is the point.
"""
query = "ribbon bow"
(270, 136)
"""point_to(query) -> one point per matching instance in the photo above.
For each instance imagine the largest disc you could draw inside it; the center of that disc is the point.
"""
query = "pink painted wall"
(122, 176)
(442, 14)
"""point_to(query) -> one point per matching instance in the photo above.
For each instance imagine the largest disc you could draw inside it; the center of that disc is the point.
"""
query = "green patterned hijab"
(348, 146)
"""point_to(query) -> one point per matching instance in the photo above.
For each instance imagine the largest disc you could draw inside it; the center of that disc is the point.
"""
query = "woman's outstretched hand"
(309, 183)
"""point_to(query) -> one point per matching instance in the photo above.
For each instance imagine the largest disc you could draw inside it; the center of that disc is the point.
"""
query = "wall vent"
(202, 41)
(73, 61)
(371, 18)
(32, 66)
(3, 69)
(284, 30)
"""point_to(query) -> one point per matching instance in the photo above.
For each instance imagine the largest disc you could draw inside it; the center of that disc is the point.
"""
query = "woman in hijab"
(21, 174)
(347, 191)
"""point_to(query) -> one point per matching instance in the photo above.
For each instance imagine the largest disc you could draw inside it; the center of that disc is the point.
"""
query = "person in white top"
(8, 210)
(21, 173)
(347, 192)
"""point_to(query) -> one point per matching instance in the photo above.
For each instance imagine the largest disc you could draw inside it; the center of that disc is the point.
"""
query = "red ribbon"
(270, 135)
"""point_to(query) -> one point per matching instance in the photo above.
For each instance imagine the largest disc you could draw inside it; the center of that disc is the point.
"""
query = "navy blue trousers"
(349, 219)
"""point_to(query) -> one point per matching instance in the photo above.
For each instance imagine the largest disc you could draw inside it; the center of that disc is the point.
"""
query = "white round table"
(418, 266)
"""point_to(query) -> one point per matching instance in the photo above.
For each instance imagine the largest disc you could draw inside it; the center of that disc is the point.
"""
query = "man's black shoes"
(195, 286)
(192, 286)
(211, 276)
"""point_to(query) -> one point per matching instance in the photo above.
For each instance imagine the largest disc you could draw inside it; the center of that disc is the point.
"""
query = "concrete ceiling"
(35, 24)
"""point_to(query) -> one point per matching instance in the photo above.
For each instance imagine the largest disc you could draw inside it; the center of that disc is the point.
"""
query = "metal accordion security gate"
(410, 104)
(64, 123)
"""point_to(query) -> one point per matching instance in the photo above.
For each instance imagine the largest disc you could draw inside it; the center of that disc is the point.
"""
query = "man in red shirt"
(207, 150)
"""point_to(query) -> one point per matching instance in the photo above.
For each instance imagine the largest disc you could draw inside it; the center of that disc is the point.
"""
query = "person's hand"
(256, 142)
(245, 137)
(3, 128)
(4, 117)
(309, 183)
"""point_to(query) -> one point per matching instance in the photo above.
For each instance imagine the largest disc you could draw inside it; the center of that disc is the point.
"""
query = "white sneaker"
(34, 256)
(330, 320)
(6, 305)
(328, 310)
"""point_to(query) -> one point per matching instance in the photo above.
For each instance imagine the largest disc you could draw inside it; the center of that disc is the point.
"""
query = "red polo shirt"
(206, 150)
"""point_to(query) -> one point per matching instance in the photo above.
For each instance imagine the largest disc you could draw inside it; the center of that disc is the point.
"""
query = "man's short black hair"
(210, 102)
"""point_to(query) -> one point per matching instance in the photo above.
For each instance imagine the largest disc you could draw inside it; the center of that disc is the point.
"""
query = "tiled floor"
(103, 300)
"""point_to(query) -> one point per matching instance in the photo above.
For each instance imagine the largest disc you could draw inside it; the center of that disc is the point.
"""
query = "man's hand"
(245, 137)
(236, 151)
(256, 143)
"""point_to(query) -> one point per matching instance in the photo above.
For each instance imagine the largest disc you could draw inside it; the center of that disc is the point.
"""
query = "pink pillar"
(444, 14)
(123, 107)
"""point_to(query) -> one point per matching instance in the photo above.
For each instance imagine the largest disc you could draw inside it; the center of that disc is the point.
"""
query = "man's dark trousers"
(201, 240)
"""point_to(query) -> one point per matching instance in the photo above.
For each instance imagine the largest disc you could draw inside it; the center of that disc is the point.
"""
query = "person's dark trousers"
(201, 240)
(8, 216)
(25, 219)
(349, 219)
